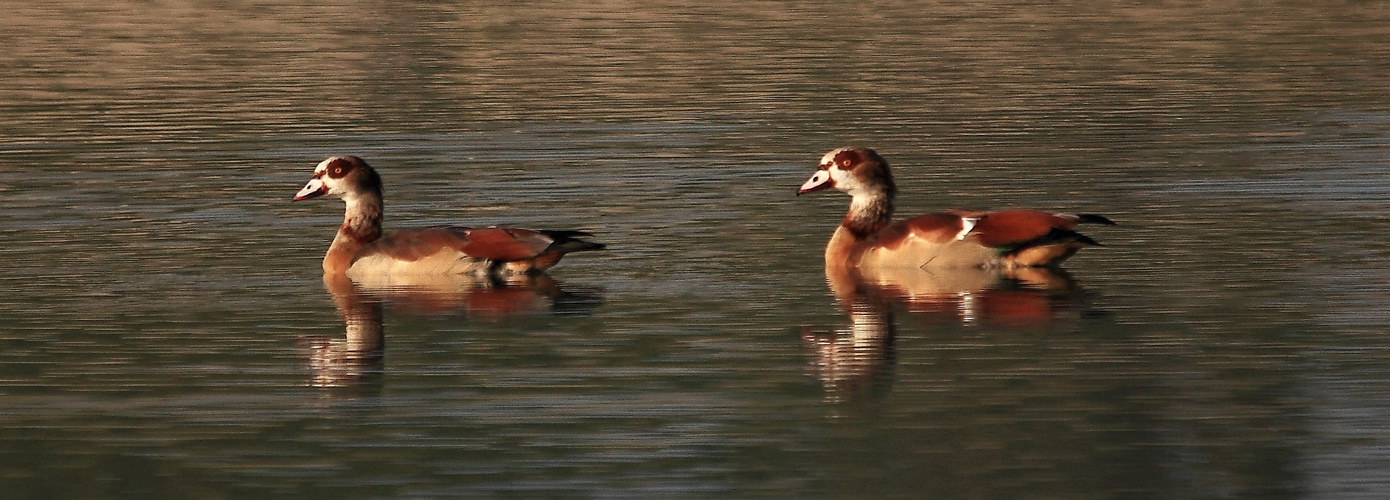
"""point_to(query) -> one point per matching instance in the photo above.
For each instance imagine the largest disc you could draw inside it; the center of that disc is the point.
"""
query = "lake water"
(165, 332)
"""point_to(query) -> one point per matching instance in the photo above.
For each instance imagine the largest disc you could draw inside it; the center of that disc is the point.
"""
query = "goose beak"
(820, 180)
(314, 189)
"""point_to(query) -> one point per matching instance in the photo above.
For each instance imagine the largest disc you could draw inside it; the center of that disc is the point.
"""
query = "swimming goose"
(868, 240)
(408, 257)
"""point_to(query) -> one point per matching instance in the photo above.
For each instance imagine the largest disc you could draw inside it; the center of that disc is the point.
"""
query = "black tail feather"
(1058, 235)
(1094, 219)
(565, 234)
(569, 240)
(1086, 239)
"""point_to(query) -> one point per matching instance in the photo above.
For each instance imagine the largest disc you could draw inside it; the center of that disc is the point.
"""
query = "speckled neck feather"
(870, 213)
(362, 221)
(361, 226)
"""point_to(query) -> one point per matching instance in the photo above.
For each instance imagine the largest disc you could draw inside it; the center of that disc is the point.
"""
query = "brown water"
(164, 331)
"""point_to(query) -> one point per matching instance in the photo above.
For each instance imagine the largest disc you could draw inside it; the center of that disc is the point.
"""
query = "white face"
(844, 180)
(319, 185)
(830, 176)
(829, 158)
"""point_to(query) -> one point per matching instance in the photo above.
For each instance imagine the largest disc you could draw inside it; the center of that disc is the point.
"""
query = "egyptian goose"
(868, 240)
(360, 252)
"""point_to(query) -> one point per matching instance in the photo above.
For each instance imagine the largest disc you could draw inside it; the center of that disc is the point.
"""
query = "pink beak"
(314, 189)
(818, 181)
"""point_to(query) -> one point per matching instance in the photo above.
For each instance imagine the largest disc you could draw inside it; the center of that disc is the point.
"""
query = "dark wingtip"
(565, 233)
(583, 246)
(1094, 219)
(1087, 240)
(569, 240)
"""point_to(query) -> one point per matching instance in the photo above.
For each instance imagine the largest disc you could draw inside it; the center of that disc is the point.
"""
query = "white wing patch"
(966, 224)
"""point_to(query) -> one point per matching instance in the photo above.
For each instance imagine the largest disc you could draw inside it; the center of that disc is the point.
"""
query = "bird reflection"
(854, 363)
(357, 360)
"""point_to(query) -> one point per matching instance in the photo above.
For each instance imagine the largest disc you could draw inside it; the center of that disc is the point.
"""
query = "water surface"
(165, 331)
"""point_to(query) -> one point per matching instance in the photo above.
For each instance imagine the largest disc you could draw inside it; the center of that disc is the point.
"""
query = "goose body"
(361, 252)
(870, 242)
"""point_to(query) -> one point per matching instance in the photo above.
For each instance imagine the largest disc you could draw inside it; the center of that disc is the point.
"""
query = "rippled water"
(166, 332)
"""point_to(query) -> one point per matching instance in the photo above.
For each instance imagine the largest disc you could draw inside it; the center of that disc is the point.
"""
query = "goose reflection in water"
(357, 360)
(854, 363)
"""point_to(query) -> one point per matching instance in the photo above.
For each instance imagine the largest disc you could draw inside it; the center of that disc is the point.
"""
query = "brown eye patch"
(338, 167)
(847, 158)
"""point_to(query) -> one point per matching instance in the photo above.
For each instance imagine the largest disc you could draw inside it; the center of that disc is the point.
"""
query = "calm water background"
(161, 295)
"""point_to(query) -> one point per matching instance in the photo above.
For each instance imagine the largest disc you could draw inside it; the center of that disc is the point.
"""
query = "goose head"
(856, 171)
(341, 176)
